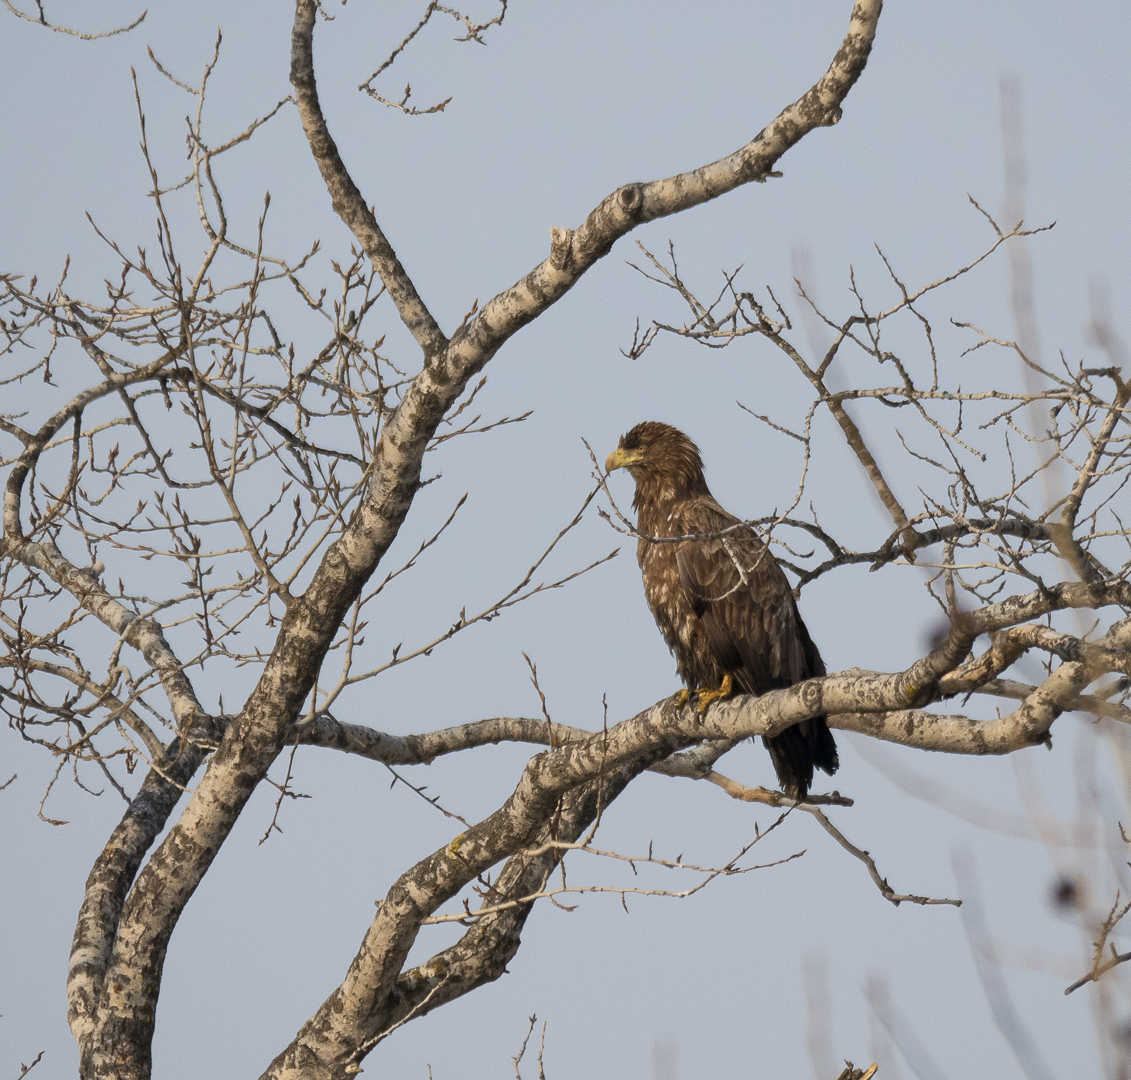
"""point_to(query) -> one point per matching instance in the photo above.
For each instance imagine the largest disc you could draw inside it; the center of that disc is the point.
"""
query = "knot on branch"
(811, 696)
(616, 214)
(760, 175)
(561, 247)
(631, 199)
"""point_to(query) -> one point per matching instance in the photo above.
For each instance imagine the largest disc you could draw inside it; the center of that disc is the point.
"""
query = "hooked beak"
(621, 458)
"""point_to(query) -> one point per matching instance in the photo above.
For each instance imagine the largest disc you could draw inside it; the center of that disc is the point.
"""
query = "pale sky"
(564, 104)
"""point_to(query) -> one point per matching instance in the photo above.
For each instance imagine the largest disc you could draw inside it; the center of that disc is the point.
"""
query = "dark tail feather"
(797, 750)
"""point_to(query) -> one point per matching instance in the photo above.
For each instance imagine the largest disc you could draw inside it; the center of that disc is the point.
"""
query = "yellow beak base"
(621, 458)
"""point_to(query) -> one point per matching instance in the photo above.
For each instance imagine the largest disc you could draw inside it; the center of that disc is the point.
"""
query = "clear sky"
(565, 103)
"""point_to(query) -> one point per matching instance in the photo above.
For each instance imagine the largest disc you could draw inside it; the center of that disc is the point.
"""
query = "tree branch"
(347, 200)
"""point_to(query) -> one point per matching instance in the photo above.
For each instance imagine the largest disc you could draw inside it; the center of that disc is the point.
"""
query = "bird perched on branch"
(721, 600)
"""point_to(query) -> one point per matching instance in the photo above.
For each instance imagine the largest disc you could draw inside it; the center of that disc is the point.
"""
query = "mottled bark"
(374, 995)
(131, 907)
(117, 1042)
(355, 1017)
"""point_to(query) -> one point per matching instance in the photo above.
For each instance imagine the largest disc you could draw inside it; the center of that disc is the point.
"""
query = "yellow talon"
(707, 696)
(681, 698)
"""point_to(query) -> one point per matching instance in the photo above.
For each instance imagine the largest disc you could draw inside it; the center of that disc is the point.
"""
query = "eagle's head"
(659, 457)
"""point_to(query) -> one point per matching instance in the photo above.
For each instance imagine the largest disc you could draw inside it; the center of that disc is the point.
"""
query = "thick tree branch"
(326, 1047)
(695, 764)
(347, 200)
(107, 885)
(574, 251)
(448, 368)
(342, 1028)
(348, 518)
(862, 701)
(254, 739)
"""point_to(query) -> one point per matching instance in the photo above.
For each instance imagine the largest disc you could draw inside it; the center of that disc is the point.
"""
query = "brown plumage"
(723, 605)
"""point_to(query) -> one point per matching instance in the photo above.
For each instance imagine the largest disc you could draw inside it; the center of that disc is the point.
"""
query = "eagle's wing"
(742, 597)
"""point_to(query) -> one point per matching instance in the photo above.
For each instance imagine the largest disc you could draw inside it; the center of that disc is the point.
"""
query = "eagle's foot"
(682, 698)
(706, 696)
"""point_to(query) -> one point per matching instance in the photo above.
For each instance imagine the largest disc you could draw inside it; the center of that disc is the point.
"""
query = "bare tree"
(244, 430)
(981, 470)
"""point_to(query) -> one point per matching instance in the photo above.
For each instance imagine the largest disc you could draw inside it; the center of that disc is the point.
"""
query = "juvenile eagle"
(723, 604)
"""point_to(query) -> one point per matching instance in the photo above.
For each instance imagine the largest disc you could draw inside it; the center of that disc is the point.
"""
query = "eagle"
(720, 599)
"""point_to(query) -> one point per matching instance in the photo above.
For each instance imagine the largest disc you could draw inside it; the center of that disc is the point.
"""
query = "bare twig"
(1103, 961)
(886, 890)
(41, 20)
